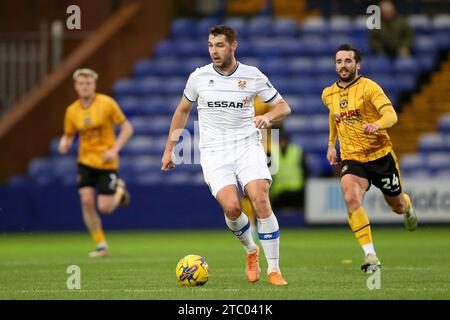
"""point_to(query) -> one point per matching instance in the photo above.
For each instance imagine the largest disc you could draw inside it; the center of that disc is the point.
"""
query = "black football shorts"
(382, 172)
(105, 181)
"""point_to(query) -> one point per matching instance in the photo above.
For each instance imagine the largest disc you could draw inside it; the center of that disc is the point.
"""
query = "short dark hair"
(227, 31)
(347, 47)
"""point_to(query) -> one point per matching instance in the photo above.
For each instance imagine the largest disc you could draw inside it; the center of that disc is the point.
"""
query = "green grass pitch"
(318, 263)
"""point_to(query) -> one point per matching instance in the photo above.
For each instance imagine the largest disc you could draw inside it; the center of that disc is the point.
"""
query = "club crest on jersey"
(245, 100)
(343, 104)
(211, 83)
(242, 84)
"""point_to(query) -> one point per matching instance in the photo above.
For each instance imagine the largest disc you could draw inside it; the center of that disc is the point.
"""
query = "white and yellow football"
(192, 270)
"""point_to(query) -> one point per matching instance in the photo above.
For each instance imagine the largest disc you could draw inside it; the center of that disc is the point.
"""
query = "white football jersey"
(225, 103)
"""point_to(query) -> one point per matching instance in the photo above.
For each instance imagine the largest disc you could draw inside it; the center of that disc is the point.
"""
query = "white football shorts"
(228, 166)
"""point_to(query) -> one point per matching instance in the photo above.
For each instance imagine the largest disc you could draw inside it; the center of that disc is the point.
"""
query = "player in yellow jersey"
(93, 116)
(360, 113)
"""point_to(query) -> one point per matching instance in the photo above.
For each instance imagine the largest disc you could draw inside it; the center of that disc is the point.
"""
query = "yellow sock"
(118, 194)
(408, 202)
(360, 225)
(247, 209)
(99, 237)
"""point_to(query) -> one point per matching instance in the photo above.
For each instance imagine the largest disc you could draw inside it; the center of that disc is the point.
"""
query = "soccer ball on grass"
(192, 270)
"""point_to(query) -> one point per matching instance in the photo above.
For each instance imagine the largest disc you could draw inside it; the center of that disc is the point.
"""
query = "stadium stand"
(297, 60)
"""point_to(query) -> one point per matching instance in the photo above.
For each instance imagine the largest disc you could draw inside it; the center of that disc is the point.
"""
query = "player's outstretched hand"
(370, 128)
(167, 161)
(331, 156)
(262, 122)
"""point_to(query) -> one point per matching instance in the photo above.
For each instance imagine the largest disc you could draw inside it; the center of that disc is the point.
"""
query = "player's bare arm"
(387, 120)
(280, 111)
(178, 123)
(65, 143)
(126, 131)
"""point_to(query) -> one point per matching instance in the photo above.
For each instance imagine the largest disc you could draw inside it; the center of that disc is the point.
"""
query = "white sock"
(369, 249)
(269, 236)
(241, 229)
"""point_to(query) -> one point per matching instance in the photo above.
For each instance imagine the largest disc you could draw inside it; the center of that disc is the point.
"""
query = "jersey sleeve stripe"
(184, 94)
(274, 96)
(384, 105)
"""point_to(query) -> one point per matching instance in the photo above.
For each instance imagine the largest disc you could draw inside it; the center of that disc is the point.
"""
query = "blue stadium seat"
(312, 143)
(316, 164)
(378, 63)
(130, 105)
(442, 39)
(167, 66)
(325, 65)
(315, 46)
(239, 24)
(40, 167)
(138, 145)
(275, 67)
(438, 161)
(148, 85)
(340, 24)
(175, 85)
(301, 66)
(424, 44)
(412, 161)
(166, 48)
(284, 27)
(441, 22)
(63, 166)
(151, 125)
(326, 81)
(309, 125)
(144, 67)
(295, 103)
(426, 61)
(124, 87)
(434, 142)
(406, 81)
(154, 105)
(259, 26)
(444, 123)
(181, 27)
(406, 65)
(389, 84)
(420, 23)
(192, 48)
(334, 41)
(314, 26)
(202, 28)
(314, 104)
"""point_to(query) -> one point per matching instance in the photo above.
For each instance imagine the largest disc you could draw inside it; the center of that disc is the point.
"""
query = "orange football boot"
(277, 279)
(253, 269)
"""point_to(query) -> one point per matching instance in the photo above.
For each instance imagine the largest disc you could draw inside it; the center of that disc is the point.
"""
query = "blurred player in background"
(360, 113)
(94, 116)
(230, 145)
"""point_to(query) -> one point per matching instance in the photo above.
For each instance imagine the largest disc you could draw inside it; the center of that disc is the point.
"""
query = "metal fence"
(25, 59)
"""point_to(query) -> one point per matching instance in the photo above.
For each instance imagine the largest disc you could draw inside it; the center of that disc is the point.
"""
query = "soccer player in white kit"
(230, 143)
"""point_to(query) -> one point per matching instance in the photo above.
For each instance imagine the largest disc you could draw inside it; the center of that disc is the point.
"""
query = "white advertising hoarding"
(325, 202)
